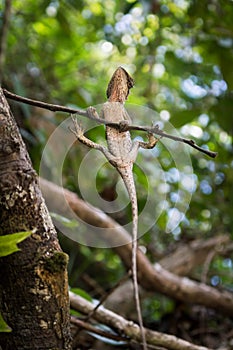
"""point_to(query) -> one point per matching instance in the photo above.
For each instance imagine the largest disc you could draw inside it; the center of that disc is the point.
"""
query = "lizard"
(121, 152)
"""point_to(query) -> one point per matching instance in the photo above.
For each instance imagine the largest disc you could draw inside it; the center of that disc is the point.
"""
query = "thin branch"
(84, 325)
(206, 266)
(106, 295)
(155, 129)
(129, 328)
(50, 107)
(181, 139)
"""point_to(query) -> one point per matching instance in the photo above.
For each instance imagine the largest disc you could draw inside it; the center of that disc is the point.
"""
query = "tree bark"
(34, 298)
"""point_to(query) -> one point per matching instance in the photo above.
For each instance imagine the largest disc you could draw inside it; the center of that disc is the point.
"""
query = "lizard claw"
(78, 130)
(152, 139)
(155, 126)
(150, 135)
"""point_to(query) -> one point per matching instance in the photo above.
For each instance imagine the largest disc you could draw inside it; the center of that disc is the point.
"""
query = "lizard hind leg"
(79, 133)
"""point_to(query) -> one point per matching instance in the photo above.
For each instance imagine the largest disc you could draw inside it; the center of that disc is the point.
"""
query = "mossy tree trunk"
(33, 282)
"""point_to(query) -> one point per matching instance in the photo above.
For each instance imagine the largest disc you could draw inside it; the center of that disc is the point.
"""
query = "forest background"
(180, 54)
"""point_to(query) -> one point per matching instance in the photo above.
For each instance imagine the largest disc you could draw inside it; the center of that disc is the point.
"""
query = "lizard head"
(119, 86)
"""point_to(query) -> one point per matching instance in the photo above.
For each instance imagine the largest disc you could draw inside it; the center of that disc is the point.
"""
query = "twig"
(157, 131)
(207, 263)
(106, 295)
(154, 129)
(93, 329)
(50, 107)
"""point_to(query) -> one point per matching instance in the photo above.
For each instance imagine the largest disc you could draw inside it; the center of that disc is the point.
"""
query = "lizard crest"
(119, 86)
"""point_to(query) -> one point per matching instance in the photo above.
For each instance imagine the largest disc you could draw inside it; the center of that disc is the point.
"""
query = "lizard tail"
(127, 176)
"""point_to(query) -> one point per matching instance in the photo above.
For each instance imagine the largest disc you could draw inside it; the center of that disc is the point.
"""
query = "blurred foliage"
(180, 54)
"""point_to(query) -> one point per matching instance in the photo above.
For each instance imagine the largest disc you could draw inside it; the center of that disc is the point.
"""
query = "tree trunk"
(33, 282)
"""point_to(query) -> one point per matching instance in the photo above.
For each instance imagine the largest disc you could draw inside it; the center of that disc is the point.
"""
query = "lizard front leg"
(78, 132)
(92, 112)
(151, 143)
(146, 145)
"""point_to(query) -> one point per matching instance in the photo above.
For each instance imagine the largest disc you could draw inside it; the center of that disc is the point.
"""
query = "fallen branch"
(86, 113)
(188, 256)
(128, 328)
(152, 278)
(180, 262)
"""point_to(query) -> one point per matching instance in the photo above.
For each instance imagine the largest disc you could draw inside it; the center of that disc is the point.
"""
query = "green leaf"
(82, 293)
(65, 221)
(3, 326)
(8, 243)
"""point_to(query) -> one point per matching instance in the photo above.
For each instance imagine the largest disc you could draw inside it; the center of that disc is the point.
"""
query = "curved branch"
(130, 329)
(154, 129)
(153, 278)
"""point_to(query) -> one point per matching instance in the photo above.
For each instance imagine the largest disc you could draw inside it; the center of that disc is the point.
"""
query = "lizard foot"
(77, 131)
(152, 139)
(92, 112)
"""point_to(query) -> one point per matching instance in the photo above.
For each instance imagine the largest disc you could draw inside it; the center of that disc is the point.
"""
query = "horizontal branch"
(154, 129)
(129, 328)
(49, 106)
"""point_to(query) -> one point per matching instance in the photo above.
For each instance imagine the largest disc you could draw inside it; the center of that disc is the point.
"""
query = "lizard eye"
(130, 82)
